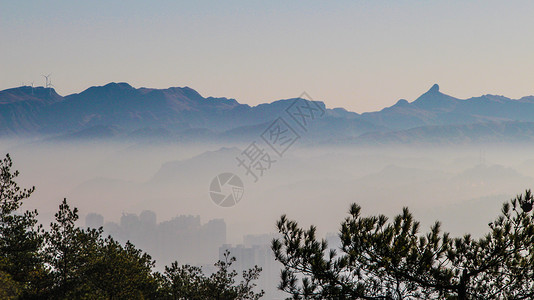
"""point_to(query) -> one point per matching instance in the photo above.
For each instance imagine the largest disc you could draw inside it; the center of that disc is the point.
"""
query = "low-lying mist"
(463, 187)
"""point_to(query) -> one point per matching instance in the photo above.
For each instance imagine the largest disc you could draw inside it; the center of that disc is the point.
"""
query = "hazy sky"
(362, 55)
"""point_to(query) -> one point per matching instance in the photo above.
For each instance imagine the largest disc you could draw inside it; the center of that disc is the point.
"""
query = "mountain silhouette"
(20, 108)
(118, 110)
(436, 108)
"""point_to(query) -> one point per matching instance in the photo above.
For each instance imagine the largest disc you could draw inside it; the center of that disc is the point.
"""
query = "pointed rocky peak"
(434, 99)
(434, 89)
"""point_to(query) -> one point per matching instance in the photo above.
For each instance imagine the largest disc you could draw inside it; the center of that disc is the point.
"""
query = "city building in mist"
(183, 238)
(256, 251)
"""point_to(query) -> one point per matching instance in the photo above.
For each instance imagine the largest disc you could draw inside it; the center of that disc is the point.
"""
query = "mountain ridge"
(122, 110)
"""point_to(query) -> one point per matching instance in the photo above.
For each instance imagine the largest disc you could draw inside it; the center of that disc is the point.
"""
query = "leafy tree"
(380, 259)
(182, 282)
(189, 282)
(68, 262)
(64, 250)
(85, 265)
(20, 237)
(122, 272)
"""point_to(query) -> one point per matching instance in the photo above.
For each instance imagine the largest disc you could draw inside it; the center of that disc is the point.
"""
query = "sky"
(360, 55)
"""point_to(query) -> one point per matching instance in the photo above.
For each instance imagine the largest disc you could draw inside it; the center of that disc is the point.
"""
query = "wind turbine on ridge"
(46, 80)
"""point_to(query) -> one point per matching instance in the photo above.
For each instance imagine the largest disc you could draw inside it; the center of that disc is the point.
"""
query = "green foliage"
(182, 282)
(64, 250)
(68, 262)
(20, 237)
(189, 282)
(122, 272)
(85, 265)
(380, 259)
(9, 288)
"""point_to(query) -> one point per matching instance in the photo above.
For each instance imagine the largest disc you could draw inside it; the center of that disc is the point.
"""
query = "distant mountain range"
(119, 111)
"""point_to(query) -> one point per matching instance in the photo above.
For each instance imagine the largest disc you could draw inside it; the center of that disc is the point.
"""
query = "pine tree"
(20, 236)
(379, 259)
(189, 282)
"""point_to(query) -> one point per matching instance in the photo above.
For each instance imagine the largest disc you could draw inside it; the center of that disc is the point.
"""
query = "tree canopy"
(390, 259)
(378, 258)
(189, 283)
(20, 236)
(69, 262)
